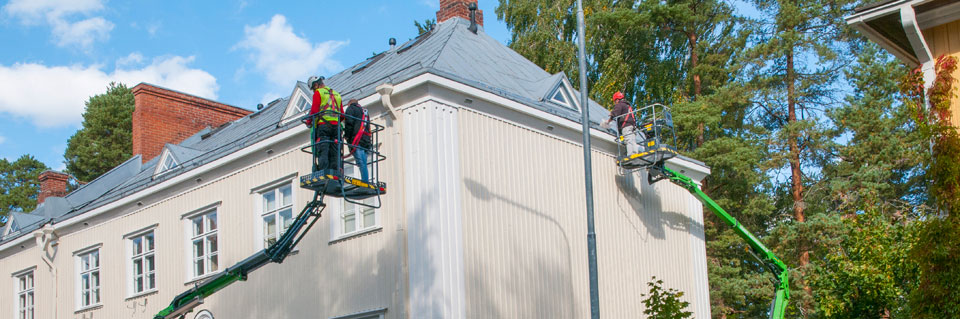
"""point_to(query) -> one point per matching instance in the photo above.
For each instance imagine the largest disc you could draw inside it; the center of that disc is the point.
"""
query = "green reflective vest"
(330, 101)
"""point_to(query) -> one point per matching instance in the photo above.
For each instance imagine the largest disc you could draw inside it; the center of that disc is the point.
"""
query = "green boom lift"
(655, 125)
(322, 182)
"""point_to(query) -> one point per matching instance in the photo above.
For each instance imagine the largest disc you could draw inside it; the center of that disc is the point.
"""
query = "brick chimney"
(165, 116)
(52, 183)
(457, 8)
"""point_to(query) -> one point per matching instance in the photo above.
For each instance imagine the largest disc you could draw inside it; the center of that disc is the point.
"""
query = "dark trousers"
(327, 152)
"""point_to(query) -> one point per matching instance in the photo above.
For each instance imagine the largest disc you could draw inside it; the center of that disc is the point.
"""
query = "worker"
(356, 133)
(327, 102)
(626, 122)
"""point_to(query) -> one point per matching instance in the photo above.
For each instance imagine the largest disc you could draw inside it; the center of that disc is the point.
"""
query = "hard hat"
(617, 96)
(314, 79)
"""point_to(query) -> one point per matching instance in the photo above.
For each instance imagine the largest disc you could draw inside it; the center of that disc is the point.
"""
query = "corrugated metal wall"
(435, 240)
(525, 228)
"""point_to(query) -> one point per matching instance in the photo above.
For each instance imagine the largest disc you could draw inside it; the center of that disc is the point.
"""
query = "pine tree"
(19, 185)
(105, 140)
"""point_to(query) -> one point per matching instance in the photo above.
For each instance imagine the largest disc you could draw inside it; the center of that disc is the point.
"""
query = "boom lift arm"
(185, 302)
(656, 132)
(775, 265)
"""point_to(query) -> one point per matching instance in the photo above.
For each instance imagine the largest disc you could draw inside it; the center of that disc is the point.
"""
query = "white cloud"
(53, 96)
(283, 56)
(2, 139)
(61, 15)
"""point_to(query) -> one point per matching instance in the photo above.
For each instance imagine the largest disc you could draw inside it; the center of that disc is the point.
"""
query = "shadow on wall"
(544, 270)
(649, 209)
(322, 280)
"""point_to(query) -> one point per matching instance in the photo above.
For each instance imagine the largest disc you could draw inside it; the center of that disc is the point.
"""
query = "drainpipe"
(588, 169)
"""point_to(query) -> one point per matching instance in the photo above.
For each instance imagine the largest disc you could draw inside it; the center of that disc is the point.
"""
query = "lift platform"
(655, 138)
(334, 183)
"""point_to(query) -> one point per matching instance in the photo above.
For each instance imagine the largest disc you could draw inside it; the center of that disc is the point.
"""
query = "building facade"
(917, 32)
(484, 216)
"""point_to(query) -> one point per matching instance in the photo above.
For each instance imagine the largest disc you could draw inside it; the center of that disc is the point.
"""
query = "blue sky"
(58, 53)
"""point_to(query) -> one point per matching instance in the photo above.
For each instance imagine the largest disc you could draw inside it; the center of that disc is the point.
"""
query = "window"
(355, 218)
(203, 314)
(203, 243)
(302, 103)
(143, 264)
(89, 278)
(276, 212)
(24, 292)
(168, 163)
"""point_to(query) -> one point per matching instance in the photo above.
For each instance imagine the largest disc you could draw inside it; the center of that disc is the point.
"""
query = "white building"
(484, 216)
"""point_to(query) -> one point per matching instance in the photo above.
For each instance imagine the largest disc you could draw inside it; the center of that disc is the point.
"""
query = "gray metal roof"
(450, 51)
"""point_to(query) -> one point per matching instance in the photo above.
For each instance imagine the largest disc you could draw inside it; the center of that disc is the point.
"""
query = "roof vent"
(259, 106)
(473, 17)
(393, 43)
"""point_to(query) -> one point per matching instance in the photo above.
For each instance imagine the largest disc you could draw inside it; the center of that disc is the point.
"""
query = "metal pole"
(588, 168)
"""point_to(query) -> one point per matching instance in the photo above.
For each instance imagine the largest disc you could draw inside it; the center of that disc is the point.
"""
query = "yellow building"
(916, 31)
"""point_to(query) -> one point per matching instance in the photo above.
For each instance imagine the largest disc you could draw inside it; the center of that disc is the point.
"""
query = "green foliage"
(105, 140)
(426, 26)
(664, 303)
(938, 249)
(19, 186)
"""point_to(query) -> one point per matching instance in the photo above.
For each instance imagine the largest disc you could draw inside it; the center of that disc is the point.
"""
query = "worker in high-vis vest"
(324, 126)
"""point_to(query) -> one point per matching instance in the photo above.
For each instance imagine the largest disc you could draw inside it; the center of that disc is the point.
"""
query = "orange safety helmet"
(617, 96)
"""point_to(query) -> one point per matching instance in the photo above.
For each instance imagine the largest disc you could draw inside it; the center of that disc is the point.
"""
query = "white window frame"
(203, 314)
(27, 292)
(206, 233)
(132, 257)
(91, 272)
(262, 210)
(162, 166)
(355, 213)
(293, 112)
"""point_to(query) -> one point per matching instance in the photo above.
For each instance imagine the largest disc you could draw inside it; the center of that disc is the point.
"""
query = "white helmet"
(312, 79)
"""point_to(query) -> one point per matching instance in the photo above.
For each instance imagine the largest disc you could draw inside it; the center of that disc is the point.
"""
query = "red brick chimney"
(165, 116)
(52, 183)
(457, 8)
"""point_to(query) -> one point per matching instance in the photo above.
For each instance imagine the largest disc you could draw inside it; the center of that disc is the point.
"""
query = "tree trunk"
(692, 39)
(796, 189)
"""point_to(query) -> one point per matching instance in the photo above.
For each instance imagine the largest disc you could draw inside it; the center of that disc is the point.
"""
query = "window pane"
(95, 276)
(197, 225)
(286, 217)
(148, 239)
(212, 221)
(198, 248)
(559, 97)
(84, 262)
(349, 223)
(286, 194)
(137, 267)
(96, 295)
(269, 226)
(150, 264)
(137, 246)
(212, 243)
(138, 284)
(23, 283)
(85, 281)
(269, 201)
(30, 281)
(198, 267)
(214, 264)
(95, 259)
(23, 301)
(85, 298)
(369, 218)
(151, 281)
